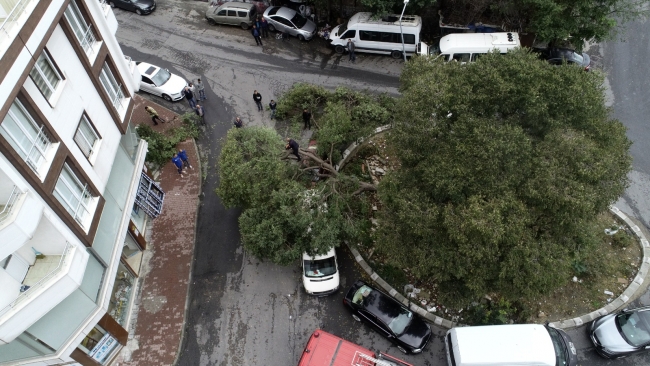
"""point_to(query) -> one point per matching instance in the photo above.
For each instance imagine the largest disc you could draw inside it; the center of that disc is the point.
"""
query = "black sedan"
(621, 334)
(407, 330)
(559, 56)
(140, 7)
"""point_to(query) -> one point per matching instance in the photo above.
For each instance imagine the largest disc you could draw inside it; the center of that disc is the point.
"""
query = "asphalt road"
(246, 312)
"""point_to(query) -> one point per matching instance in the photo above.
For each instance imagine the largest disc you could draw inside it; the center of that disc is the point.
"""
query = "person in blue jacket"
(179, 164)
(183, 155)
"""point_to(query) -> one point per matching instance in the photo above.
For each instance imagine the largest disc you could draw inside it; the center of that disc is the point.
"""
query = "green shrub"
(493, 313)
(162, 146)
(621, 239)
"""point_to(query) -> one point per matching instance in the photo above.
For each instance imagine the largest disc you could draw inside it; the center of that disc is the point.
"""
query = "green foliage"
(505, 164)
(162, 146)
(299, 97)
(381, 7)
(493, 313)
(621, 239)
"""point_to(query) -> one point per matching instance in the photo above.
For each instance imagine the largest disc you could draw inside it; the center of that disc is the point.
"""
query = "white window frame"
(112, 87)
(84, 196)
(78, 22)
(41, 149)
(40, 74)
(80, 134)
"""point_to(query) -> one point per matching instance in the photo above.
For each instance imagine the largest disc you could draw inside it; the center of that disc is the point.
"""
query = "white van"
(320, 273)
(509, 345)
(381, 35)
(467, 47)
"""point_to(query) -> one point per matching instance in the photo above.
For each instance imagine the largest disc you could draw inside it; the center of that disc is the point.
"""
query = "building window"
(45, 75)
(80, 27)
(27, 137)
(99, 344)
(73, 195)
(113, 89)
(86, 137)
(122, 294)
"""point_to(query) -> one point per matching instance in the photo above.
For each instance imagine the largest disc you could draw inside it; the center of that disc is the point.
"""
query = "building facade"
(73, 197)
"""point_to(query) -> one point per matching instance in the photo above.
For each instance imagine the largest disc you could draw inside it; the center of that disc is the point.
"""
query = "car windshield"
(401, 321)
(561, 353)
(635, 327)
(299, 21)
(320, 268)
(161, 77)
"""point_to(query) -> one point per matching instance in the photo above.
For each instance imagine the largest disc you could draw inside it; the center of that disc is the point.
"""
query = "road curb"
(625, 298)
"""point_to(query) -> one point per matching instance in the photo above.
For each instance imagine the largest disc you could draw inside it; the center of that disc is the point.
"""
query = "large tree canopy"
(505, 163)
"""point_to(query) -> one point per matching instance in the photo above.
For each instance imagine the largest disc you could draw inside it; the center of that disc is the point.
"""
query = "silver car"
(289, 21)
(622, 334)
(233, 13)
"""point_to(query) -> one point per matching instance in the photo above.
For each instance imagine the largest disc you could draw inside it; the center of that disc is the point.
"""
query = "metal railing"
(88, 40)
(6, 210)
(11, 18)
(42, 282)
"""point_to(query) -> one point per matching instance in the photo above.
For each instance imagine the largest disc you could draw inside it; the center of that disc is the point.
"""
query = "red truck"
(325, 349)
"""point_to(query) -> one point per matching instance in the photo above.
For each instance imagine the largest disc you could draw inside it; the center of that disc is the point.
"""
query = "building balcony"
(13, 15)
(37, 277)
(19, 216)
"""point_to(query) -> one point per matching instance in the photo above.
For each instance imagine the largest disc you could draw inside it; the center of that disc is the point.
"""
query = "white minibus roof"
(479, 42)
(390, 19)
(503, 345)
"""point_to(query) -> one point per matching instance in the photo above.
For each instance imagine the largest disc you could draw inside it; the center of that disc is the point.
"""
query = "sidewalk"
(159, 310)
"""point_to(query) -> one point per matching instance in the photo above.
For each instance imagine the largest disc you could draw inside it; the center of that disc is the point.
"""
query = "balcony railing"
(10, 19)
(29, 292)
(88, 40)
(6, 209)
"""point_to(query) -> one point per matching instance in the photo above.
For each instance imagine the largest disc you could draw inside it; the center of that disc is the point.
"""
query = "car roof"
(330, 253)
(381, 305)
(281, 11)
(147, 69)
(236, 4)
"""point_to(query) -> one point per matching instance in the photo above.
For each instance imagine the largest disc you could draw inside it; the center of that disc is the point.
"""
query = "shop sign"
(104, 348)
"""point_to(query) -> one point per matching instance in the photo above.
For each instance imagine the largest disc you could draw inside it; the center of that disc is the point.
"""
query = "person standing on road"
(293, 145)
(257, 97)
(179, 164)
(306, 118)
(256, 35)
(199, 112)
(189, 96)
(154, 115)
(200, 89)
(272, 106)
(238, 122)
(265, 27)
(183, 155)
(353, 57)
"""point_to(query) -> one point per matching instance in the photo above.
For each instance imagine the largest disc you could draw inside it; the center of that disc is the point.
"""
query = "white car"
(161, 82)
(320, 274)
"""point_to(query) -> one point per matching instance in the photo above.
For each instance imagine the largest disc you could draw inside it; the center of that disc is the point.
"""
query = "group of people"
(189, 91)
(260, 30)
(181, 161)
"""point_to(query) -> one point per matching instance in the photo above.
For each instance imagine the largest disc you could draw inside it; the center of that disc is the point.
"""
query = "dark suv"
(558, 56)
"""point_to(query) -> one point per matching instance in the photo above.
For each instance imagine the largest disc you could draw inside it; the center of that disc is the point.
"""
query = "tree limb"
(365, 187)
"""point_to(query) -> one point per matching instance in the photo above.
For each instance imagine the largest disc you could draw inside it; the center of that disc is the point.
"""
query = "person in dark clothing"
(154, 115)
(189, 96)
(238, 122)
(183, 155)
(293, 145)
(265, 27)
(306, 118)
(272, 106)
(256, 34)
(353, 57)
(257, 97)
(179, 164)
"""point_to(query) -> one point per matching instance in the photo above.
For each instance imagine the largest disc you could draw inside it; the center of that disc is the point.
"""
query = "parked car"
(407, 330)
(621, 334)
(140, 7)
(232, 13)
(289, 21)
(320, 273)
(158, 81)
(558, 56)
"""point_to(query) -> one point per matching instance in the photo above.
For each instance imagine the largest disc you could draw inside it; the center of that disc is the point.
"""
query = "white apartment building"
(73, 196)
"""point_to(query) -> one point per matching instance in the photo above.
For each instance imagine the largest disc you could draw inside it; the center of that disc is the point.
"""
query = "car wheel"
(167, 97)
(339, 50)
(396, 54)
(402, 349)
(138, 11)
(301, 37)
(271, 28)
(211, 21)
(356, 317)
(111, 4)
(244, 26)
